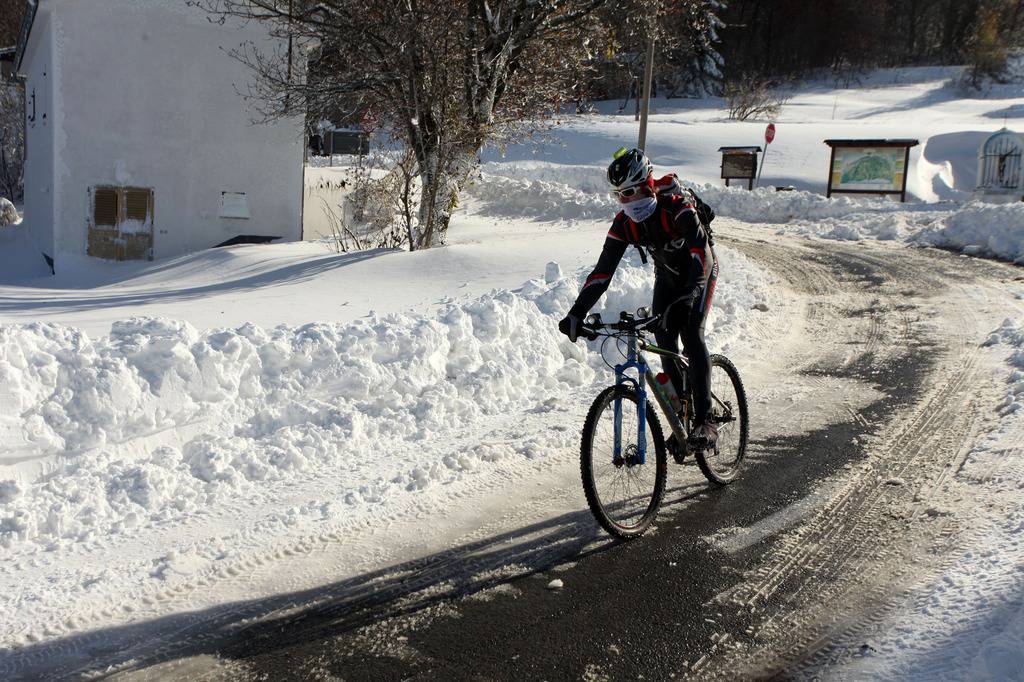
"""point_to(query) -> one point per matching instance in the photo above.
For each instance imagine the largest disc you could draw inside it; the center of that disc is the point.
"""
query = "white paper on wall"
(234, 205)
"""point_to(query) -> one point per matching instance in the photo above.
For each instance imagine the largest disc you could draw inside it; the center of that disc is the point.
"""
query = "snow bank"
(982, 229)
(285, 400)
(765, 205)
(991, 230)
(540, 199)
(558, 192)
(274, 403)
(1011, 334)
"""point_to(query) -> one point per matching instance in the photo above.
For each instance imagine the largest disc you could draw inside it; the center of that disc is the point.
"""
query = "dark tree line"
(788, 38)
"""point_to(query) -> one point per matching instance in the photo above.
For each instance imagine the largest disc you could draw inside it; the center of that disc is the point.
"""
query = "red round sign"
(769, 133)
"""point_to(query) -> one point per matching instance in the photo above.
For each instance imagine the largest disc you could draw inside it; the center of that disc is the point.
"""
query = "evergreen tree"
(687, 62)
(692, 65)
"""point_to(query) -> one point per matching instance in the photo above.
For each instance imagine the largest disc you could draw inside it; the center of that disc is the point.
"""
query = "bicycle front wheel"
(721, 465)
(623, 493)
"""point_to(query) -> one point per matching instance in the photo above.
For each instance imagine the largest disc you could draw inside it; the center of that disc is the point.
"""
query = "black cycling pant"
(684, 316)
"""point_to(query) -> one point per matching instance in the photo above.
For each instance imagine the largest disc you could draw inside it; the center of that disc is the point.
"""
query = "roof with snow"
(1000, 134)
(898, 142)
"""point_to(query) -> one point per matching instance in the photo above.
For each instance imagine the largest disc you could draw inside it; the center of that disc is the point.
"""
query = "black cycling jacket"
(675, 238)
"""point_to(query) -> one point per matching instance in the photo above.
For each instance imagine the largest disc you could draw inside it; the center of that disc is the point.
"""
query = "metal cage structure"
(1000, 171)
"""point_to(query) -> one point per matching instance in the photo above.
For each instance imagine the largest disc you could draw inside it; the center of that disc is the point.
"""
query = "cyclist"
(671, 223)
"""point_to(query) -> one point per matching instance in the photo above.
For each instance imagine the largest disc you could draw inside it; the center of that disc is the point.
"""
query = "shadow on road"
(264, 625)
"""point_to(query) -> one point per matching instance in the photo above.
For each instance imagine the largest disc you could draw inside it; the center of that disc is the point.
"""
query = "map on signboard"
(878, 169)
(739, 166)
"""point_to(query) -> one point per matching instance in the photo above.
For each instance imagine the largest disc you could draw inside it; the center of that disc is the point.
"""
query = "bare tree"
(12, 122)
(444, 77)
(12, 141)
(10, 21)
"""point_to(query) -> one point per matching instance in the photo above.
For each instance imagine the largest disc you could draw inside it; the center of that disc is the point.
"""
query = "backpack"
(668, 186)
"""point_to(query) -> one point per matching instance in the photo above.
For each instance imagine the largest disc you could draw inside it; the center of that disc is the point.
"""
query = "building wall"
(147, 97)
(40, 133)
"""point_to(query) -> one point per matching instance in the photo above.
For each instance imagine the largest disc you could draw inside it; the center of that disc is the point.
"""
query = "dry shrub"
(378, 208)
(752, 97)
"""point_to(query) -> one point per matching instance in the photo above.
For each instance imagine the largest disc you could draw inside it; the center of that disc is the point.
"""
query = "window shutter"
(105, 207)
(136, 204)
(122, 223)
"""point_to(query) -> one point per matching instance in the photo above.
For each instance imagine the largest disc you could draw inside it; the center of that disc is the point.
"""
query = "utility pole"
(646, 106)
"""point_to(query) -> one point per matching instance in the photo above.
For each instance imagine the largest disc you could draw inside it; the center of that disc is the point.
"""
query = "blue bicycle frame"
(636, 360)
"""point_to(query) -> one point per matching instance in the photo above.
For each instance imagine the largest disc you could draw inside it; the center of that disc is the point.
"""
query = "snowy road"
(853, 494)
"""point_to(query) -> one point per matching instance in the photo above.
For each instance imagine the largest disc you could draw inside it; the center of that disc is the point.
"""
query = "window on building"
(121, 224)
(105, 207)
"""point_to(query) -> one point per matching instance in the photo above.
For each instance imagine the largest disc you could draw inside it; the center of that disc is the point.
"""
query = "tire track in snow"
(844, 538)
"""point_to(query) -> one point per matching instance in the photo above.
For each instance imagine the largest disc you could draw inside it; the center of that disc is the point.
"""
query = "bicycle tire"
(715, 471)
(601, 509)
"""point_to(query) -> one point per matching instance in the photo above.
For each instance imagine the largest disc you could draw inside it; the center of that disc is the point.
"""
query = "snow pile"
(991, 230)
(540, 199)
(589, 179)
(271, 404)
(765, 205)
(1012, 334)
(285, 400)
(558, 192)
(994, 230)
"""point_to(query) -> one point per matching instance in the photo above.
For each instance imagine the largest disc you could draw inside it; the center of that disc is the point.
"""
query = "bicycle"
(621, 462)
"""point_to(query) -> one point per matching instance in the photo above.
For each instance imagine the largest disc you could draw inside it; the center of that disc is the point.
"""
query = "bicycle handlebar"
(627, 323)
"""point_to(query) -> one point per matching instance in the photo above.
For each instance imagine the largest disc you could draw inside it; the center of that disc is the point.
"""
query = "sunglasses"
(629, 193)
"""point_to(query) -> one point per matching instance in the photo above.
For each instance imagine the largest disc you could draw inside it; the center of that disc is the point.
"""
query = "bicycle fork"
(635, 360)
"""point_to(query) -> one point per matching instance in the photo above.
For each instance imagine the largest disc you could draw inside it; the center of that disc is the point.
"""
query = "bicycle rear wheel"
(721, 465)
(623, 494)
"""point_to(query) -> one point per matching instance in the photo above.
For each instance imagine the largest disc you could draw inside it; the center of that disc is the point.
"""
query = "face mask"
(641, 209)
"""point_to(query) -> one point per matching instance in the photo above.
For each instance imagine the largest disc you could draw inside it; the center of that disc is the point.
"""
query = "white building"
(138, 143)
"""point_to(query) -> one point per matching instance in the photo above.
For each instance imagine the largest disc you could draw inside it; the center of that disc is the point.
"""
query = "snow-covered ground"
(169, 426)
(968, 623)
(684, 135)
(921, 102)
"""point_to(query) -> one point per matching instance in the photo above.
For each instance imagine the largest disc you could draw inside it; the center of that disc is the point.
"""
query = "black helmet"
(629, 168)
